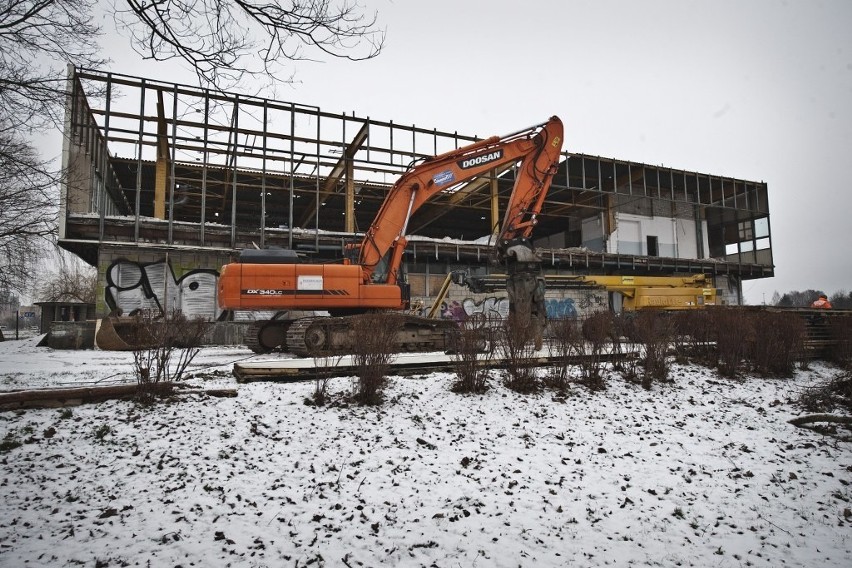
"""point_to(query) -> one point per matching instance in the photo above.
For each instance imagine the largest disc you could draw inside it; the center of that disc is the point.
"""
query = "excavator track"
(324, 336)
(264, 336)
(252, 338)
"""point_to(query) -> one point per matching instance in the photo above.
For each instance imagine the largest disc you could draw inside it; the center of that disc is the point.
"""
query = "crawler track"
(308, 337)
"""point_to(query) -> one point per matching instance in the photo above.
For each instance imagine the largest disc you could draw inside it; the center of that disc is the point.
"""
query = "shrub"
(164, 346)
(655, 330)
(471, 354)
(374, 344)
(324, 366)
(517, 340)
(733, 331)
(597, 330)
(778, 341)
(681, 339)
(840, 332)
(622, 326)
(695, 336)
(566, 342)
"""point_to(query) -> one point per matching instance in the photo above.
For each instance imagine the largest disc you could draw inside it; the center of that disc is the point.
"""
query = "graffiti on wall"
(498, 308)
(132, 286)
(560, 308)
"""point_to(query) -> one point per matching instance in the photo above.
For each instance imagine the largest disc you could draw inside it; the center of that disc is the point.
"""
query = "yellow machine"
(661, 292)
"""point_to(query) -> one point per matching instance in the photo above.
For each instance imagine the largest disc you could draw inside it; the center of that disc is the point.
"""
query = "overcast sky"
(758, 90)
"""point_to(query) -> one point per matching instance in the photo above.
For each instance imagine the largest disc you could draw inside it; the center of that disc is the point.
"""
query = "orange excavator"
(271, 280)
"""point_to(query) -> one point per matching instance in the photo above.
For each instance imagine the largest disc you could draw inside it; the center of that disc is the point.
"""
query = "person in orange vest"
(822, 302)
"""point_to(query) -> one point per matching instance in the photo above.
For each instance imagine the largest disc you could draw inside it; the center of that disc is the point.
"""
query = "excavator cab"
(380, 272)
(404, 285)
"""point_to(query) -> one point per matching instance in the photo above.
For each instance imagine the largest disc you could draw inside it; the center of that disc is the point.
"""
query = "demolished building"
(165, 183)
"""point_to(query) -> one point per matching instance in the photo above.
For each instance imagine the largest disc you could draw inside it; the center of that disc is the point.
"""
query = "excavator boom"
(537, 148)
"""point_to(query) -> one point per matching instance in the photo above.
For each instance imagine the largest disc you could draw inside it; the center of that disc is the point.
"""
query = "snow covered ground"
(701, 472)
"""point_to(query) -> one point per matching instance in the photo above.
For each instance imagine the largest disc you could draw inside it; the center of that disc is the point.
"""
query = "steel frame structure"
(162, 164)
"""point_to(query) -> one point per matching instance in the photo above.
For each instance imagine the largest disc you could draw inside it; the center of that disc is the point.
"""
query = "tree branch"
(811, 418)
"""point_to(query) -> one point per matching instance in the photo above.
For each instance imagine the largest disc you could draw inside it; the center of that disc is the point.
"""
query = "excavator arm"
(537, 148)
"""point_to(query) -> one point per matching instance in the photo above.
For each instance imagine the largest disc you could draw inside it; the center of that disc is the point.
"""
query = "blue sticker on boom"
(443, 178)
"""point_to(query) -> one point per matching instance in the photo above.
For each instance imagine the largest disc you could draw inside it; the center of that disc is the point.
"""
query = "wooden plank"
(405, 364)
(57, 398)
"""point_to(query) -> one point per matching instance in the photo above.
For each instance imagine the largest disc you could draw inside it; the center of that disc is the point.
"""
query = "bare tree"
(73, 280)
(37, 39)
(34, 34)
(224, 40)
(27, 210)
(221, 40)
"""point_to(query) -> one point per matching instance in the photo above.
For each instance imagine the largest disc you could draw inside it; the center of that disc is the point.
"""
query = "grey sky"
(758, 90)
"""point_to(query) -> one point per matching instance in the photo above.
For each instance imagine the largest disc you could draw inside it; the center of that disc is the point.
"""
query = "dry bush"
(164, 346)
(733, 331)
(374, 340)
(680, 338)
(840, 331)
(622, 328)
(629, 367)
(778, 341)
(696, 336)
(471, 355)
(566, 341)
(655, 330)
(517, 339)
(597, 330)
(324, 366)
(833, 395)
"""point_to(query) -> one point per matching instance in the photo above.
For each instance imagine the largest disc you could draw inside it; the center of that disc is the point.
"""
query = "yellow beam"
(161, 178)
(495, 205)
(349, 212)
(337, 172)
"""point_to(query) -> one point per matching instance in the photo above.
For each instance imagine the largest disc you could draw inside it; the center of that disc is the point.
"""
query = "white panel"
(629, 236)
(675, 237)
